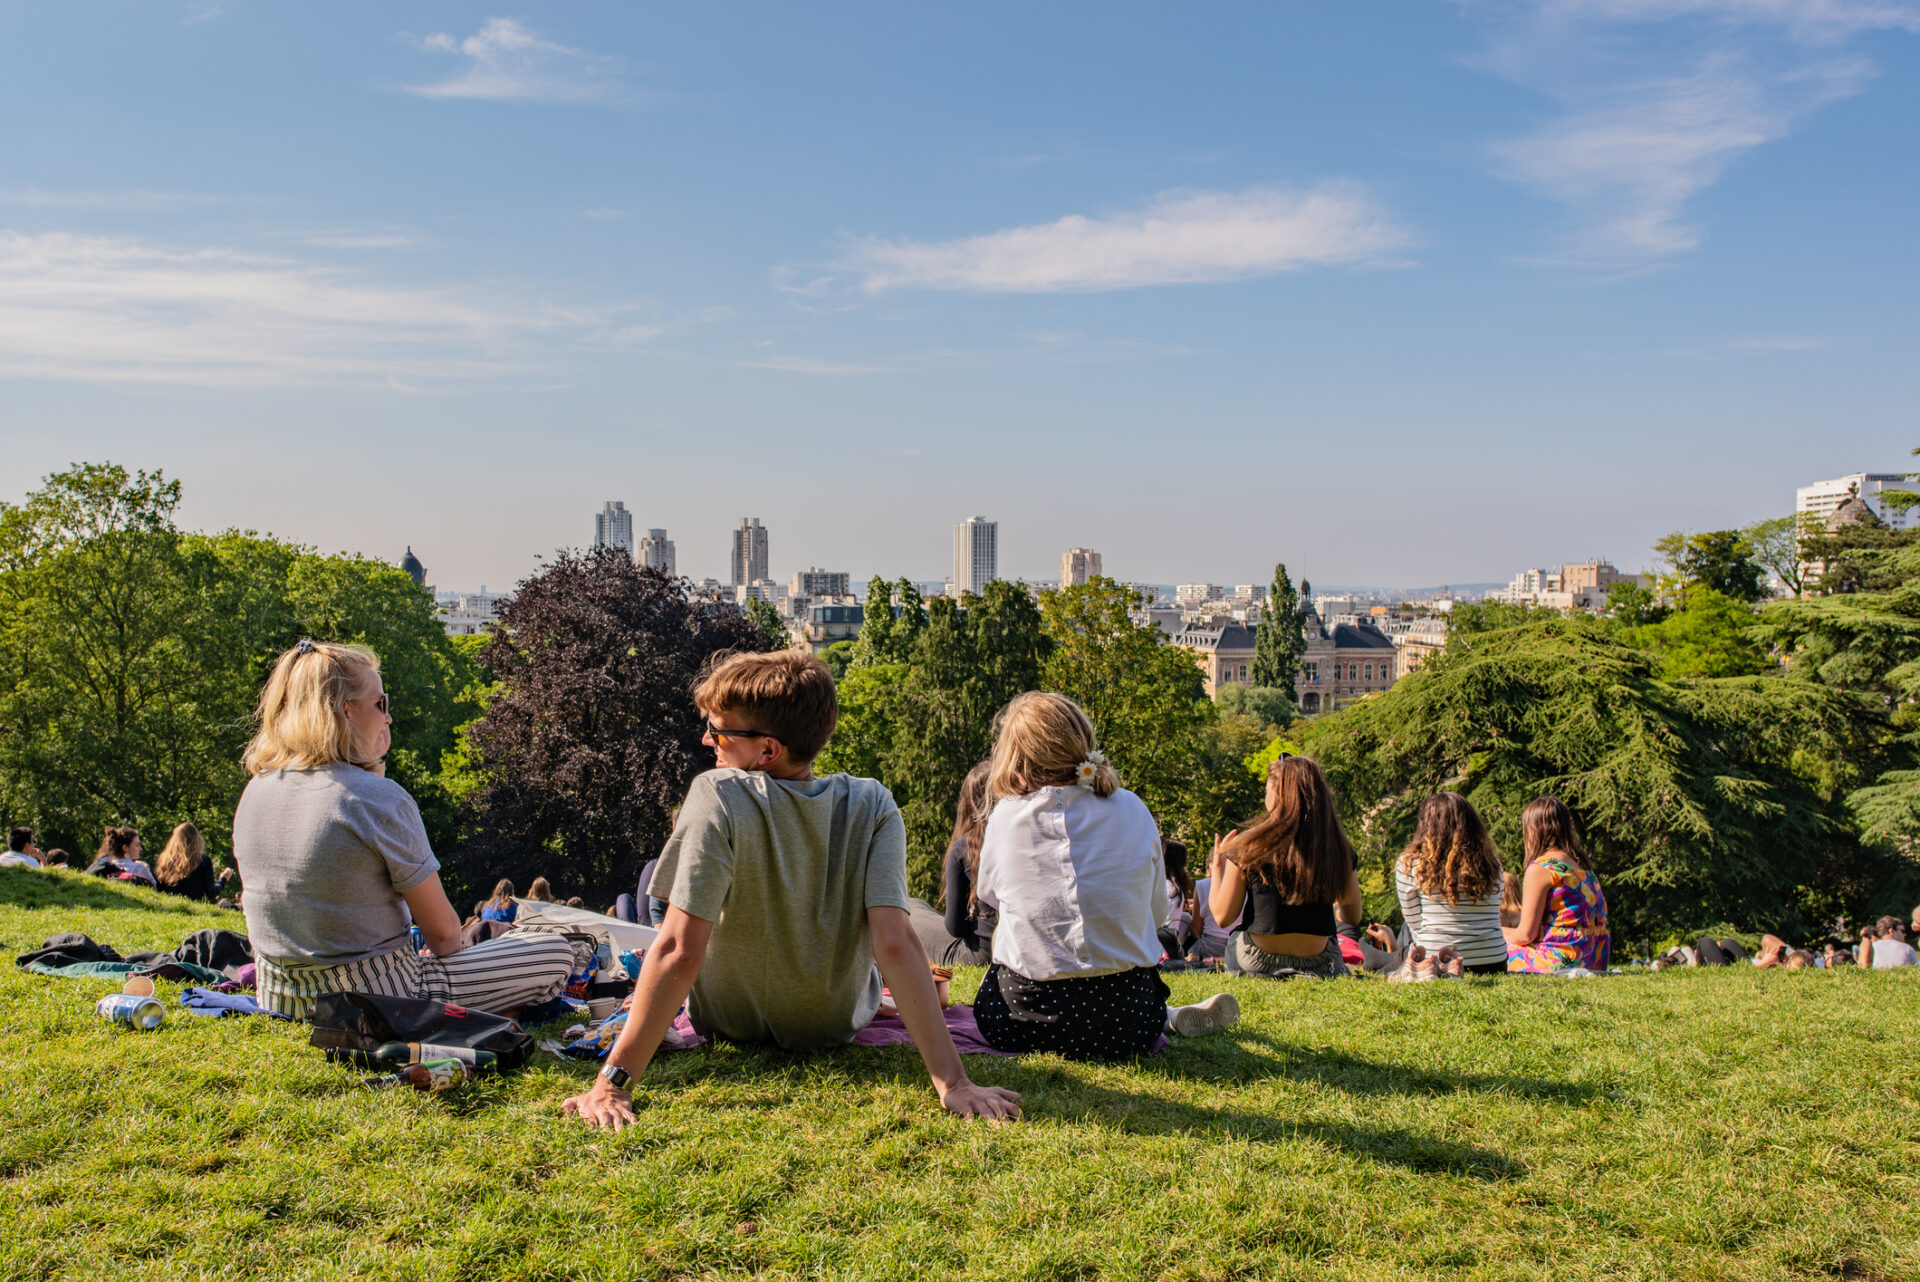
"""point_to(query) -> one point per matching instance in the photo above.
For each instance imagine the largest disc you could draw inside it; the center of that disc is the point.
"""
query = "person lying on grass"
(783, 890)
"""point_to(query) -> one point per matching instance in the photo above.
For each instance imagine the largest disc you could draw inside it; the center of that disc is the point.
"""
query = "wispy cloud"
(1657, 98)
(1790, 344)
(364, 239)
(506, 61)
(108, 309)
(134, 200)
(1181, 238)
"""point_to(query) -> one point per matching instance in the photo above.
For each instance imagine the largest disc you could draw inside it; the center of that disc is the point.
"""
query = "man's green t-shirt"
(785, 870)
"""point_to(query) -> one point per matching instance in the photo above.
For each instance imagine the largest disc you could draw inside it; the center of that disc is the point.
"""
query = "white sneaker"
(1222, 1010)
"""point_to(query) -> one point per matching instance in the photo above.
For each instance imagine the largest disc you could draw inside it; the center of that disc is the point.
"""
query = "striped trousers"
(499, 975)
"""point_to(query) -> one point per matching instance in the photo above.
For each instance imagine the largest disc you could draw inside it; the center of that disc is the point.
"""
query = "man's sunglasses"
(721, 736)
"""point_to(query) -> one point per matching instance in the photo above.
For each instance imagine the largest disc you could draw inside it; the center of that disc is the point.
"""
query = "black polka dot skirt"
(1090, 1017)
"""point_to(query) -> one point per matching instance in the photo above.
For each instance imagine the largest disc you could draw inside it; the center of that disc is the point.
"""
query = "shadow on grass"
(763, 1079)
(25, 888)
(1347, 1072)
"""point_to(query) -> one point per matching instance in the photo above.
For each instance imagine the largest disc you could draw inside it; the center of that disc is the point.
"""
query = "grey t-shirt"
(325, 856)
(786, 872)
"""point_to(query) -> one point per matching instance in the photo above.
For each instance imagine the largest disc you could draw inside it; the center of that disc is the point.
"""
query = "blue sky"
(1399, 293)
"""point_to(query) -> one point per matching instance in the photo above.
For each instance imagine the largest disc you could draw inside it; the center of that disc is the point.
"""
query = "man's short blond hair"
(788, 694)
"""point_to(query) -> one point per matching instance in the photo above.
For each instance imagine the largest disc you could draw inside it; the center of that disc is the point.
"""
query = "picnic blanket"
(207, 957)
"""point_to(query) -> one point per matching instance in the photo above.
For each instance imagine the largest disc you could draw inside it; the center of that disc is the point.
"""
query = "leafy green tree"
(1281, 640)
(1775, 545)
(1718, 560)
(1857, 557)
(1146, 698)
(773, 631)
(1712, 637)
(132, 655)
(1469, 618)
(1272, 710)
(1635, 606)
(919, 726)
(839, 658)
(1867, 644)
(1694, 795)
(875, 642)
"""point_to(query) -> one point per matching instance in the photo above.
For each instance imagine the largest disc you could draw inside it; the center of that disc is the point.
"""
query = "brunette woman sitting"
(1563, 913)
(183, 867)
(1296, 867)
(1449, 881)
(968, 922)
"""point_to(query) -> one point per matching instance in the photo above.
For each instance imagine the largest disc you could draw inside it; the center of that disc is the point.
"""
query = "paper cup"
(601, 1007)
(139, 986)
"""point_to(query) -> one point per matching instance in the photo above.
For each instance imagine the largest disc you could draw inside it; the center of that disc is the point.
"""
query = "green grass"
(1698, 1125)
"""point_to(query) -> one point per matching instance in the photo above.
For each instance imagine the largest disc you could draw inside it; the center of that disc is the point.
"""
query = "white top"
(1472, 926)
(1889, 953)
(1209, 928)
(1079, 882)
(14, 859)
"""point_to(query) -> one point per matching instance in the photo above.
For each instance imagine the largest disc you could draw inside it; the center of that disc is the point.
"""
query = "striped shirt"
(1472, 926)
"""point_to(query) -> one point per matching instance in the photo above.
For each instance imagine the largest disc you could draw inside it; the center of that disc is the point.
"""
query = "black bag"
(226, 951)
(363, 1021)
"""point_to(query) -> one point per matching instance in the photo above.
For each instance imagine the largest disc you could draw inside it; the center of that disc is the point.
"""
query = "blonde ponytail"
(1043, 739)
(303, 709)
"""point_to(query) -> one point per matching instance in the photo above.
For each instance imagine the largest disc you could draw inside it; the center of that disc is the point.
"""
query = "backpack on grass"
(364, 1021)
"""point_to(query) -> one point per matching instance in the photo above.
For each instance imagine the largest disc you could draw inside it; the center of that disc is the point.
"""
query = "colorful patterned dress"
(1576, 923)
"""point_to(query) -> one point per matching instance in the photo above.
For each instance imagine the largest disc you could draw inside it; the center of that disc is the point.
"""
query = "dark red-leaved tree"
(593, 736)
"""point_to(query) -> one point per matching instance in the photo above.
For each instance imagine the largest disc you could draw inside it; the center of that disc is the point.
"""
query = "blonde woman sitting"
(1073, 865)
(336, 861)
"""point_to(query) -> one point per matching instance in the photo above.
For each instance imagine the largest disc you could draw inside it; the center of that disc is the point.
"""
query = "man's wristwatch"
(616, 1076)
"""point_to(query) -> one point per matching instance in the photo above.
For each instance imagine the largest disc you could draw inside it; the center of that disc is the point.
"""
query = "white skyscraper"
(976, 554)
(613, 527)
(656, 553)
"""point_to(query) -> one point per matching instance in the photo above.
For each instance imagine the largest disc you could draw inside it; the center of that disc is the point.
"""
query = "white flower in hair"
(1090, 768)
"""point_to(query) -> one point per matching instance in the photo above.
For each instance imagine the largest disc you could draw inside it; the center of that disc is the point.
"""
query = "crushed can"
(135, 1010)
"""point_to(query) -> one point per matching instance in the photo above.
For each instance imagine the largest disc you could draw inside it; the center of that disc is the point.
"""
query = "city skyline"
(1489, 286)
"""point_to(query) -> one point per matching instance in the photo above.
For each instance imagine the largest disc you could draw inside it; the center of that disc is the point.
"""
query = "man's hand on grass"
(991, 1102)
(604, 1105)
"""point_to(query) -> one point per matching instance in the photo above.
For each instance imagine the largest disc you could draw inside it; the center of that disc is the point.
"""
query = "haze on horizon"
(1500, 283)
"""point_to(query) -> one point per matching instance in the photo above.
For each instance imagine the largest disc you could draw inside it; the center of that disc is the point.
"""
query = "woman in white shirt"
(1449, 879)
(1073, 864)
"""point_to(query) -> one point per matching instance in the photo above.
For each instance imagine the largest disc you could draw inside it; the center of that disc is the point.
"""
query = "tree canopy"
(592, 736)
(132, 655)
(1694, 794)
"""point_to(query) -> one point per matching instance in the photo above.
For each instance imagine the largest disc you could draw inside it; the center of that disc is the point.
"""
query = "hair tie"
(305, 646)
(1089, 769)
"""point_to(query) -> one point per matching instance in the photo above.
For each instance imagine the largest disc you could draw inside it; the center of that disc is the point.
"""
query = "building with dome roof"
(411, 564)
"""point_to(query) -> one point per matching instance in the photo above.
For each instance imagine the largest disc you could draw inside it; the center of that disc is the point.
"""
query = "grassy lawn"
(1728, 1124)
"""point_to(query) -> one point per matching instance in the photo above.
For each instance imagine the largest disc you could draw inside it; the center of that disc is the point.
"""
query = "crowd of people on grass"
(780, 899)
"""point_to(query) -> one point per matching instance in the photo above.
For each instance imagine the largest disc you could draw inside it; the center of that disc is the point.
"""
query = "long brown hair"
(1298, 846)
(1174, 855)
(970, 824)
(116, 841)
(1547, 825)
(502, 894)
(184, 851)
(540, 890)
(1451, 856)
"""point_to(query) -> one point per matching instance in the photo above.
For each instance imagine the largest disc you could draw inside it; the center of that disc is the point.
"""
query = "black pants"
(1095, 1017)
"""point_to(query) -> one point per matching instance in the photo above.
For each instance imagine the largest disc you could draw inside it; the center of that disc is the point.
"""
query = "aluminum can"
(133, 1010)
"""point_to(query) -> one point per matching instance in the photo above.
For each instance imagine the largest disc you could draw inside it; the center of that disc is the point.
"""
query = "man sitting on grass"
(782, 892)
(21, 852)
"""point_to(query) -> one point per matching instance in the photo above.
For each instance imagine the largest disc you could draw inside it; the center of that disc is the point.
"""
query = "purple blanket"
(890, 1030)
